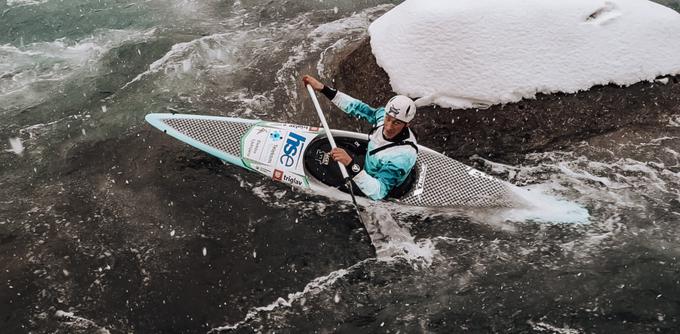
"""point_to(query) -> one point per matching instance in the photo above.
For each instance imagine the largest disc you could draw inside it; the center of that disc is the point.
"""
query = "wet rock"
(545, 123)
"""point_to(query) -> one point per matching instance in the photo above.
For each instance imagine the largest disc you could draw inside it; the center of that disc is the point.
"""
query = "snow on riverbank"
(471, 53)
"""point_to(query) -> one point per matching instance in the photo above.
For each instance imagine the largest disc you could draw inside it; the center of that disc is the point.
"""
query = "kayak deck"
(447, 182)
(222, 135)
(439, 181)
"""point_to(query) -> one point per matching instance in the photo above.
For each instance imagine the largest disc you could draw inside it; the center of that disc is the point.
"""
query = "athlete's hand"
(341, 156)
(310, 80)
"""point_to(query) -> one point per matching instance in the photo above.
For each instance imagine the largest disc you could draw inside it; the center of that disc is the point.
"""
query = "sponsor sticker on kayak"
(291, 155)
(277, 151)
(278, 175)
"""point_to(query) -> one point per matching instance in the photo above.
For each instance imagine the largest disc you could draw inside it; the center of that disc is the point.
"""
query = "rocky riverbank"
(545, 123)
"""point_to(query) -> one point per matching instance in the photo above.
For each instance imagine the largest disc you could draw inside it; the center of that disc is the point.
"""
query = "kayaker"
(392, 147)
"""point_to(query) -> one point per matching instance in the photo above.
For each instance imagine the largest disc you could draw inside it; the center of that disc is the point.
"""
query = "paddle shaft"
(343, 169)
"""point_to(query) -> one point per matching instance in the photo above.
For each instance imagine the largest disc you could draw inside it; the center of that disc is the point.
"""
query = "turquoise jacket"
(388, 168)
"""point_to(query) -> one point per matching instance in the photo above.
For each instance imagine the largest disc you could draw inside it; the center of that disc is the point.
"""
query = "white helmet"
(401, 107)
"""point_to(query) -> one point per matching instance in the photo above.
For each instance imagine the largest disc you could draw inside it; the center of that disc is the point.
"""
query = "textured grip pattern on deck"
(223, 135)
(449, 183)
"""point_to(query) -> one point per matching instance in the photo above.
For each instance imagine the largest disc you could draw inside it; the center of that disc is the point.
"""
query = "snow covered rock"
(471, 53)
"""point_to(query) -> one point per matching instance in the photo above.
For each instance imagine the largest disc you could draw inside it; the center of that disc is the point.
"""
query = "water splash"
(18, 3)
(392, 240)
(545, 208)
(16, 146)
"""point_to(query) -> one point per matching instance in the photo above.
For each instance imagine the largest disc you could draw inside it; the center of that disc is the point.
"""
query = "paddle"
(343, 169)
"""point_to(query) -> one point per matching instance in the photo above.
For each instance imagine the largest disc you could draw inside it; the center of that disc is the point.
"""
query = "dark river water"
(109, 226)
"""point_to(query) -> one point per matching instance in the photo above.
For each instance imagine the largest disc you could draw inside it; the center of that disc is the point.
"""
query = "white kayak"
(292, 154)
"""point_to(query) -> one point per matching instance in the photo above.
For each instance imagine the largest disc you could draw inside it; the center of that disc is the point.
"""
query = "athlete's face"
(392, 127)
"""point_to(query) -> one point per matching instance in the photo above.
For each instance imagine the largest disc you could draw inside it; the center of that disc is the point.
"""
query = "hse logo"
(291, 149)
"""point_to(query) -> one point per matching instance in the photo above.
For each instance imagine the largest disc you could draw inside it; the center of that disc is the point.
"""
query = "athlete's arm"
(346, 103)
(390, 175)
(352, 106)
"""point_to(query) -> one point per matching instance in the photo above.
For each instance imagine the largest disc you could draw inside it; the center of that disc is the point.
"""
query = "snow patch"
(464, 54)
(663, 81)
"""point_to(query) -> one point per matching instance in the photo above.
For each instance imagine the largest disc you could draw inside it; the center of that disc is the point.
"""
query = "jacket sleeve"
(390, 175)
(356, 108)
